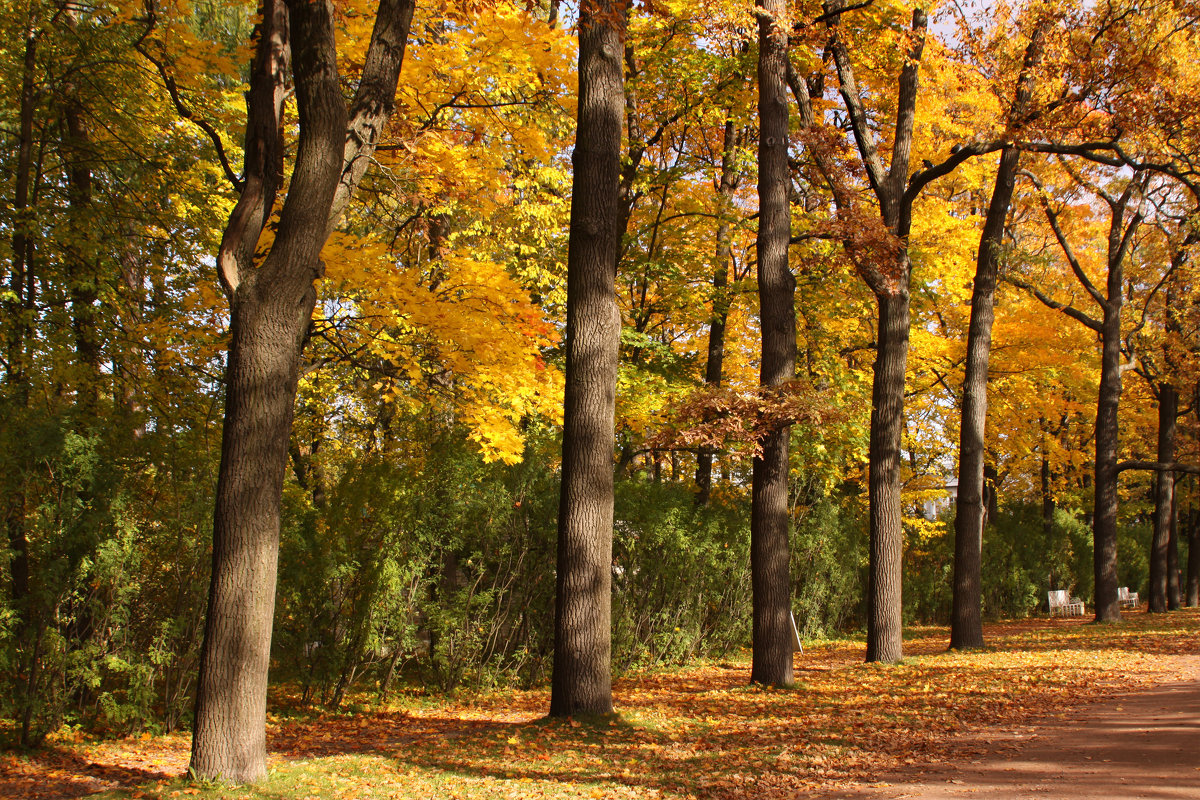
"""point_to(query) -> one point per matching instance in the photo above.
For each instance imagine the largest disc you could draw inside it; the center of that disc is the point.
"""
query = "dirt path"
(1139, 745)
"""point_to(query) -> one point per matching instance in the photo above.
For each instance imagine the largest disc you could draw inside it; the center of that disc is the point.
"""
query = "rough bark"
(884, 621)
(581, 680)
(714, 364)
(1192, 596)
(772, 634)
(1174, 579)
(1164, 498)
(888, 276)
(966, 626)
(1104, 516)
(271, 308)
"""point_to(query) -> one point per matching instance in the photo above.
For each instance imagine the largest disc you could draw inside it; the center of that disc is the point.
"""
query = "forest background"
(419, 518)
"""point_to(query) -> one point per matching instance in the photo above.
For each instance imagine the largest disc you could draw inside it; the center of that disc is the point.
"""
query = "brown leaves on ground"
(699, 731)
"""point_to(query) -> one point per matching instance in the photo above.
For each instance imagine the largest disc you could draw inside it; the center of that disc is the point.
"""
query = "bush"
(681, 574)
(108, 633)
(829, 567)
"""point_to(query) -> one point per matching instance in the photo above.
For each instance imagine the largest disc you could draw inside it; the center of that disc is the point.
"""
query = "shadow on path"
(1138, 745)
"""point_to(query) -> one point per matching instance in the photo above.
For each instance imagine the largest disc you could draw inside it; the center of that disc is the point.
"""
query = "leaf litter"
(697, 731)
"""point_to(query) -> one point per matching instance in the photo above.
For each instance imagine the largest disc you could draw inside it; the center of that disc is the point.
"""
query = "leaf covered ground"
(699, 731)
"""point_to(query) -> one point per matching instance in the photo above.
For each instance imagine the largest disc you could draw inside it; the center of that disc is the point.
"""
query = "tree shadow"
(54, 772)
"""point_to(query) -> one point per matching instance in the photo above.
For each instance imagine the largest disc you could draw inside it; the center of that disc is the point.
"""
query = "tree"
(99, 194)
(772, 663)
(271, 305)
(887, 272)
(582, 681)
(966, 628)
(1161, 371)
(1125, 218)
(1164, 505)
(727, 184)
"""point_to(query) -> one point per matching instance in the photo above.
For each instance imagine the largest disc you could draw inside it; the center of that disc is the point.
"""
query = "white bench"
(1064, 605)
(1127, 598)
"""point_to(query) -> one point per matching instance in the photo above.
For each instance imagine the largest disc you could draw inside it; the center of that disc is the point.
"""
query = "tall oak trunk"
(261, 376)
(966, 625)
(1174, 579)
(769, 565)
(1192, 595)
(1104, 517)
(884, 599)
(582, 680)
(887, 272)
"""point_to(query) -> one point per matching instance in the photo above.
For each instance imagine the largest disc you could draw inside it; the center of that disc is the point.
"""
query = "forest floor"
(1134, 746)
(961, 724)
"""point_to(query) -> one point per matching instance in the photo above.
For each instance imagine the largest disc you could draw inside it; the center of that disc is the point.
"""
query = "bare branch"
(176, 100)
(1076, 267)
(829, 16)
(1050, 302)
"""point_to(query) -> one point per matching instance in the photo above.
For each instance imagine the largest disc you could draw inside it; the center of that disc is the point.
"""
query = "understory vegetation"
(398, 578)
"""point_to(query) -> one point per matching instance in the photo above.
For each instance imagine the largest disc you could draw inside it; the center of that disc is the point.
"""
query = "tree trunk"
(18, 311)
(582, 681)
(889, 281)
(82, 272)
(271, 307)
(1164, 498)
(884, 600)
(714, 365)
(1108, 327)
(1048, 503)
(1193, 564)
(127, 361)
(966, 627)
(772, 643)
(1174, 587)
(264, 359)
(1104, 517)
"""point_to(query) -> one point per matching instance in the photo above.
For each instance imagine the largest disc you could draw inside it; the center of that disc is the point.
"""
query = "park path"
(1142, 745)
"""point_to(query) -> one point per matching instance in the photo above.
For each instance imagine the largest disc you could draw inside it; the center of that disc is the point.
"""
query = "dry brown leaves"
(700, 731)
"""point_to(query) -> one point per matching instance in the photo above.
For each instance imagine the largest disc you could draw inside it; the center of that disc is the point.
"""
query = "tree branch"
(1158, 466)
(906, 110)
(263, 149)
(374, 98)
(1076, 267)
(1049, 302)
(177, 101)
(848, 86)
